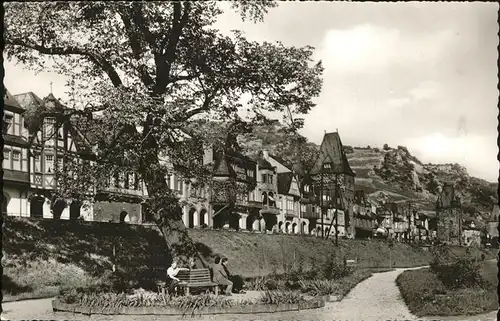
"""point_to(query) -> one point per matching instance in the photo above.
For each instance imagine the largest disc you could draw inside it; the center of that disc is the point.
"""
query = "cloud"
(425, 90)
(473, 151)
(371, 48)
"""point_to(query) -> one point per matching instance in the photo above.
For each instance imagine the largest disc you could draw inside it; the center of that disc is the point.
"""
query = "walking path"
(377, 298)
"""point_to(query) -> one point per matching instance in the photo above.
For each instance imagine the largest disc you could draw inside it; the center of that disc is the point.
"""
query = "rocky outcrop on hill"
(395, 172)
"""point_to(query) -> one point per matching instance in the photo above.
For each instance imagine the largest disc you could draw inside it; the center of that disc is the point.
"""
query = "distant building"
(471, 234)
(242, 212)
(45, 155)
(290, 219)
(334, 183)
(363, 216)
(493, 225)
(16, 162)
(449, 216)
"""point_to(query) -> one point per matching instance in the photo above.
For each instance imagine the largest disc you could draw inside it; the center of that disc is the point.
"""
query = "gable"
(332, 151)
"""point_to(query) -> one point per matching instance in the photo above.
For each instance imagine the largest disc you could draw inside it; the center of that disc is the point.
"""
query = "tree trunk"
(181, 246)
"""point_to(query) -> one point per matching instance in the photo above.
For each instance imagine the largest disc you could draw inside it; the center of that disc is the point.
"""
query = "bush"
(456, 272)
(194, 302)
(271, 285)
(461, 274)
(334, 270)
(278, 297)
(319, 287)
(257, 284)
(425, 294)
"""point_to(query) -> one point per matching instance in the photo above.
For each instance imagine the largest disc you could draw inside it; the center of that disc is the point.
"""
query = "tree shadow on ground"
(8, 285)
(91, 246)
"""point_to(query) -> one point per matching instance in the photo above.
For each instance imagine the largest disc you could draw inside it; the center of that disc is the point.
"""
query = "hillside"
(42, 256)
(393, 173)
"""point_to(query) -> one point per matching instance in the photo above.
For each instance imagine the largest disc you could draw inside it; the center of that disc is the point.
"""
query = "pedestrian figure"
(236, 279)
(172, 272)
(220, 276)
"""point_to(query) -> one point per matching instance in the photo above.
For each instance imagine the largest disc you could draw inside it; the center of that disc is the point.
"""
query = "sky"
(418, 74)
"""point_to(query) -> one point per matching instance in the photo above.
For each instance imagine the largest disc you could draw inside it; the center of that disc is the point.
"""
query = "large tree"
(146, 71)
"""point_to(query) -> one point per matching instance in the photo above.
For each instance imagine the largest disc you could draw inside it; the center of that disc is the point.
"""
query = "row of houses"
(321, 202)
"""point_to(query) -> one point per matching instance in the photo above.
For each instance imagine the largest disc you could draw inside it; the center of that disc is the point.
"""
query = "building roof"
(29, 100)
(10, 101)
(284, 182)
(332, 151)
(264, 164)
(15, 140)
(282, 161)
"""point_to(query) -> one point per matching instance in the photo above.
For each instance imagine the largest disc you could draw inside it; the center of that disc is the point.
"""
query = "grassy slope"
(41, 256)
(256, 254)
(425, 295)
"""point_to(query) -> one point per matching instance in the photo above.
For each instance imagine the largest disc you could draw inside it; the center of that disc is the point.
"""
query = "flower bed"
(331, 280)
(142, 302)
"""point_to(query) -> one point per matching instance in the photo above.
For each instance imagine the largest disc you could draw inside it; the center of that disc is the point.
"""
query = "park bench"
(196, 278)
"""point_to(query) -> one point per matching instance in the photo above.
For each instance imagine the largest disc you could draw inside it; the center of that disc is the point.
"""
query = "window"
(131, 181)
(270, 179)
(174, 185)
(250, 173)
(126, 181)
(48, 127)
(264, 180)
(49, 163)
(181, 185)
(16, 156)
(7, 121)
(326, 166)
(6, 154)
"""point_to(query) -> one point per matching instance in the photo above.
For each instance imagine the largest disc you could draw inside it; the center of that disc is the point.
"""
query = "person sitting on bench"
(172, 272)
(220, 276)
(236, 279)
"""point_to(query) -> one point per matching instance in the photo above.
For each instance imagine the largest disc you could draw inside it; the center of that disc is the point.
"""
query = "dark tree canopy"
(147, 71)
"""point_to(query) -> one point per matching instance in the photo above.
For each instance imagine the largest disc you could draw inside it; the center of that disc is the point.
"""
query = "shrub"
(196, 302)
(456, 272)
(257, 284)
(333, 270)
(278, 297)
(318, 287)
(271, 284)
(460, 274)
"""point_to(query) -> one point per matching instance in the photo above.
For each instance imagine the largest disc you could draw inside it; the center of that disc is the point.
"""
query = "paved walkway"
(376, 298)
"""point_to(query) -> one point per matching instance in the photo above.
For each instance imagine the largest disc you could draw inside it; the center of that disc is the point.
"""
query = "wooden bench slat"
(200, 284)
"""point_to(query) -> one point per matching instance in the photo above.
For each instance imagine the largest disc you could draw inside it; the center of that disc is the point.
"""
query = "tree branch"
(104, 64)
(135, 45)
(206, 106)
(165, 60)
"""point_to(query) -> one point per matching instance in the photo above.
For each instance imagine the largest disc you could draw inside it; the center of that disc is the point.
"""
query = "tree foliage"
(147, 71)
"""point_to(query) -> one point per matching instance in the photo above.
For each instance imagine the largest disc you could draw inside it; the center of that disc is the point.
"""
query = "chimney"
(265, 153)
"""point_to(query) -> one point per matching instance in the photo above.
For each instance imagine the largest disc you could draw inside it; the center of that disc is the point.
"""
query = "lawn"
(425, 294)
(42, 256)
